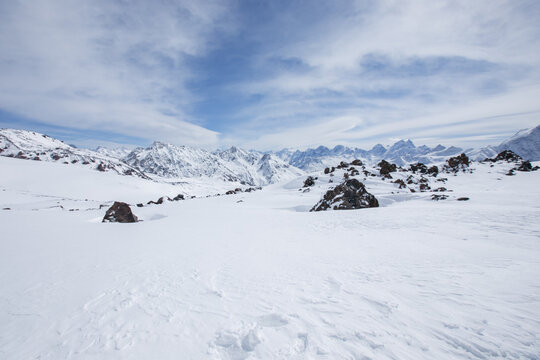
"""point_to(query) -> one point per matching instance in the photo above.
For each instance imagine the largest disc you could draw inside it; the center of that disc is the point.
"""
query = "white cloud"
(494, 45)
(106, 65)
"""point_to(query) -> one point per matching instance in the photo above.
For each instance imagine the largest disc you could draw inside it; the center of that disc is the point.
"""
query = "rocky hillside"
(525, 143)
(30, 145)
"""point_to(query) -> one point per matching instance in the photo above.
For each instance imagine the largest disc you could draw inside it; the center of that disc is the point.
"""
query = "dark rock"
(525, 166)
(327, 170)
(434, 170)
(140, 205)
(230, 192)
(357, 162)
(457, 161)
(310, 181)
(418, 167)
(424, 187)
(120, 212)
(386, 167)
(506, 155)
(74, 161)
(439, 197)
(351, 194)
(463, 199)
(158, 202)
(55, 157)
(441, 189)
(511, 172)
(343, 165)
(178, 197)
(400, 183)
(101, 167)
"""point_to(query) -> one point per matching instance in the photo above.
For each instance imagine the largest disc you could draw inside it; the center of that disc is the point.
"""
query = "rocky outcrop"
(310, 181)
(120, 212)
(506, 155)
(351, 194)
(457, 163)
(386, 167)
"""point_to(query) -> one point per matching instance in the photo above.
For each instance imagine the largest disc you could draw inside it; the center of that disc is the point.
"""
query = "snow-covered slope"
(117, 153)
(256, 276)
(525, 143)
(234, 164)
(23, 144)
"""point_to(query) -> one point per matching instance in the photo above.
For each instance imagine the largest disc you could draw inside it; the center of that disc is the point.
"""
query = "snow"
(40, 147)
(234, 164)
(263, 278)
(525, 143)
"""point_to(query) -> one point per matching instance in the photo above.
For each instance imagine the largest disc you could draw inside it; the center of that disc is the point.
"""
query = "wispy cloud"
(399, 67)
(274, 74)
(107, 65)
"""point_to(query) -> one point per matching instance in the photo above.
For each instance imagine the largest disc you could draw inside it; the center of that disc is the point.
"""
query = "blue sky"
(270, 74)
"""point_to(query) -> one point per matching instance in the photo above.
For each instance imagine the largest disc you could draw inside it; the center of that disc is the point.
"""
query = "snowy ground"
(256, 276)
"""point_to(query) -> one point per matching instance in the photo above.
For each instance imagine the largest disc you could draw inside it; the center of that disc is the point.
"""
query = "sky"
(267, 75)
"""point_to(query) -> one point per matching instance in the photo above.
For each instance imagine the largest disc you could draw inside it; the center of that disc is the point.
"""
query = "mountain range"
(254, 168)
(525, 143)
(234, 164)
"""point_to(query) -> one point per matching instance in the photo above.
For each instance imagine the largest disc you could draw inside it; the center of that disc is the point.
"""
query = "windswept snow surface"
(256, 276)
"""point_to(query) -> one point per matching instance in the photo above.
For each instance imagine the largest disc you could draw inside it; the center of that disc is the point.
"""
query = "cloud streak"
(274, 74)
(108, 65)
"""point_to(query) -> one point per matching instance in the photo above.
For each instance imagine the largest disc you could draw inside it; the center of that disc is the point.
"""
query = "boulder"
(178, 197)
(386, 167)
(400, 183)
(458, 161)
(525, 166)
(439, 197)
(357, 162)
(119, 212)
(418, 167)
(456, 164)
(351, 194)
(310, 181)
(434, 170)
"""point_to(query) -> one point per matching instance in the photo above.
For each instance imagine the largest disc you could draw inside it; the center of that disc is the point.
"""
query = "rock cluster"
(457, 163)
(351, 194)
(386, 167)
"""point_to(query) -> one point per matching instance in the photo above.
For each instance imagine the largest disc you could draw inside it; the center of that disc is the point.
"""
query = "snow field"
(263, 278)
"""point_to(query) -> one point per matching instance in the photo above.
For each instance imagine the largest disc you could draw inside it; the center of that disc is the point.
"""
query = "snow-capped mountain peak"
(234, 164)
